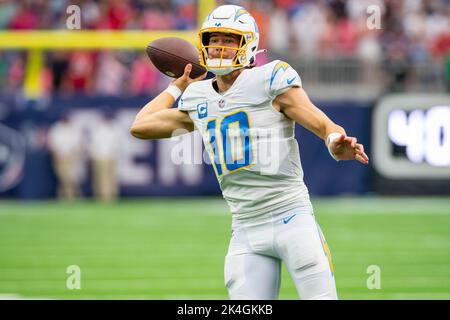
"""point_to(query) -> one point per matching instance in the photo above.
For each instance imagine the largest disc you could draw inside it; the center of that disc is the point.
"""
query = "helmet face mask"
(229, 19)
(239, 59)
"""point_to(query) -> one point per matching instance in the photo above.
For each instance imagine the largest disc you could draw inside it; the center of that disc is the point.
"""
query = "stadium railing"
(341, 78)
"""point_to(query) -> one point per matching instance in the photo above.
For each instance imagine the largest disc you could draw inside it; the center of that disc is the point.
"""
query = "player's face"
(226, 40)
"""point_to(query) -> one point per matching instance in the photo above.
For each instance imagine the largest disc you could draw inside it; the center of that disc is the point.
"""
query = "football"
(170, 55)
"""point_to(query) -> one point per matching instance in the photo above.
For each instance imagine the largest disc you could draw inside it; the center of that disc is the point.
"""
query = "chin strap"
(256, 53)
(260, 51)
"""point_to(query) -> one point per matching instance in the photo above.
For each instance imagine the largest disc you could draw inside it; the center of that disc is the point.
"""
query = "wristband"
(331, 137)
(174, 91)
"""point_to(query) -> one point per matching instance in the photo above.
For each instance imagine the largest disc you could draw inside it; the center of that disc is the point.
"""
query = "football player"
(246, 116)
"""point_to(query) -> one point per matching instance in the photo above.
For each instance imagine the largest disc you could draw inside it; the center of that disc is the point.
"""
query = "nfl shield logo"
(221, 103)
(202, 110)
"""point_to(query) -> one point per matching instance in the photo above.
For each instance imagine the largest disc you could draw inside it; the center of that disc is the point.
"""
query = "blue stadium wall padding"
(323, 175)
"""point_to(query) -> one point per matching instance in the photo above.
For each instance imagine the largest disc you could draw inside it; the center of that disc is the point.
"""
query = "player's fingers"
(339, 141)
(187, 70)
(351, 141)
(363, 160)
(362, 153)
(359, 158)
(359, 148)
(364, 156)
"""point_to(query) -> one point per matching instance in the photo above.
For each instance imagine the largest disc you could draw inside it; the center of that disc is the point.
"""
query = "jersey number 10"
(235, 150)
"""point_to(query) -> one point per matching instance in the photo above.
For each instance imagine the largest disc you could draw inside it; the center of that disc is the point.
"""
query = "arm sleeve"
(280, 77)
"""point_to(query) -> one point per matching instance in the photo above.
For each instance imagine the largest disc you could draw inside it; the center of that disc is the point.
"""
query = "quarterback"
(246, 115)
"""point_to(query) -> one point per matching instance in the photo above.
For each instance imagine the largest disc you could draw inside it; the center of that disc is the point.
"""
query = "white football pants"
(255, 253)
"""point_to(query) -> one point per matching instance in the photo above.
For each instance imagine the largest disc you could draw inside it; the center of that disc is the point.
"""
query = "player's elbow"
(140, 131)
(136, 131)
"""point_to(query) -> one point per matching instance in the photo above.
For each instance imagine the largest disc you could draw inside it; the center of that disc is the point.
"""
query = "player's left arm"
(296, 105)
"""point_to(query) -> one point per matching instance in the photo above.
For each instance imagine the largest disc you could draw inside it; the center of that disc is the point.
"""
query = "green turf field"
(174, 249)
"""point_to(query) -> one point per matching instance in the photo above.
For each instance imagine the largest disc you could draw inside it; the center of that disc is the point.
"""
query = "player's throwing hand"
(185, 80)
(347, 148)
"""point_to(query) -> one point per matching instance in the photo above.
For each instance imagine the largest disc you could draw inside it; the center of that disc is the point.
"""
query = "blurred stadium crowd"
(412, 33)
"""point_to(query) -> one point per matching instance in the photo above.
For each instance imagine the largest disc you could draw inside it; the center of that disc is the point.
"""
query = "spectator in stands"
(187, 16)
(3, 71)
(90, 12)
(144, 77)
(120, 13)
(317, 29)
(25, 17)
(7, 10)
(59, 65)
(156, 19)
(307, 38)
(397, 65)
(16, 73)
(81, 71)
(279, 24)
(111, 75)
(441, 52)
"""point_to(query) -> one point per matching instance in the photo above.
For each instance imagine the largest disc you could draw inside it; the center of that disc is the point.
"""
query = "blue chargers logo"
(202, 110)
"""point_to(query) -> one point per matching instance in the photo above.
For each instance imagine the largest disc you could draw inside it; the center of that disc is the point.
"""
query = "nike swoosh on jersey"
(289, 81)
(286, 220)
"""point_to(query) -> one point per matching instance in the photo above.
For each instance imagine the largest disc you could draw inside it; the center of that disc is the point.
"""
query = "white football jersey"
(251, 145)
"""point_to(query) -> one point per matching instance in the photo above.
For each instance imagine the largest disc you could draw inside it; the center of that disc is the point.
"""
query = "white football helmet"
(229, 19)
